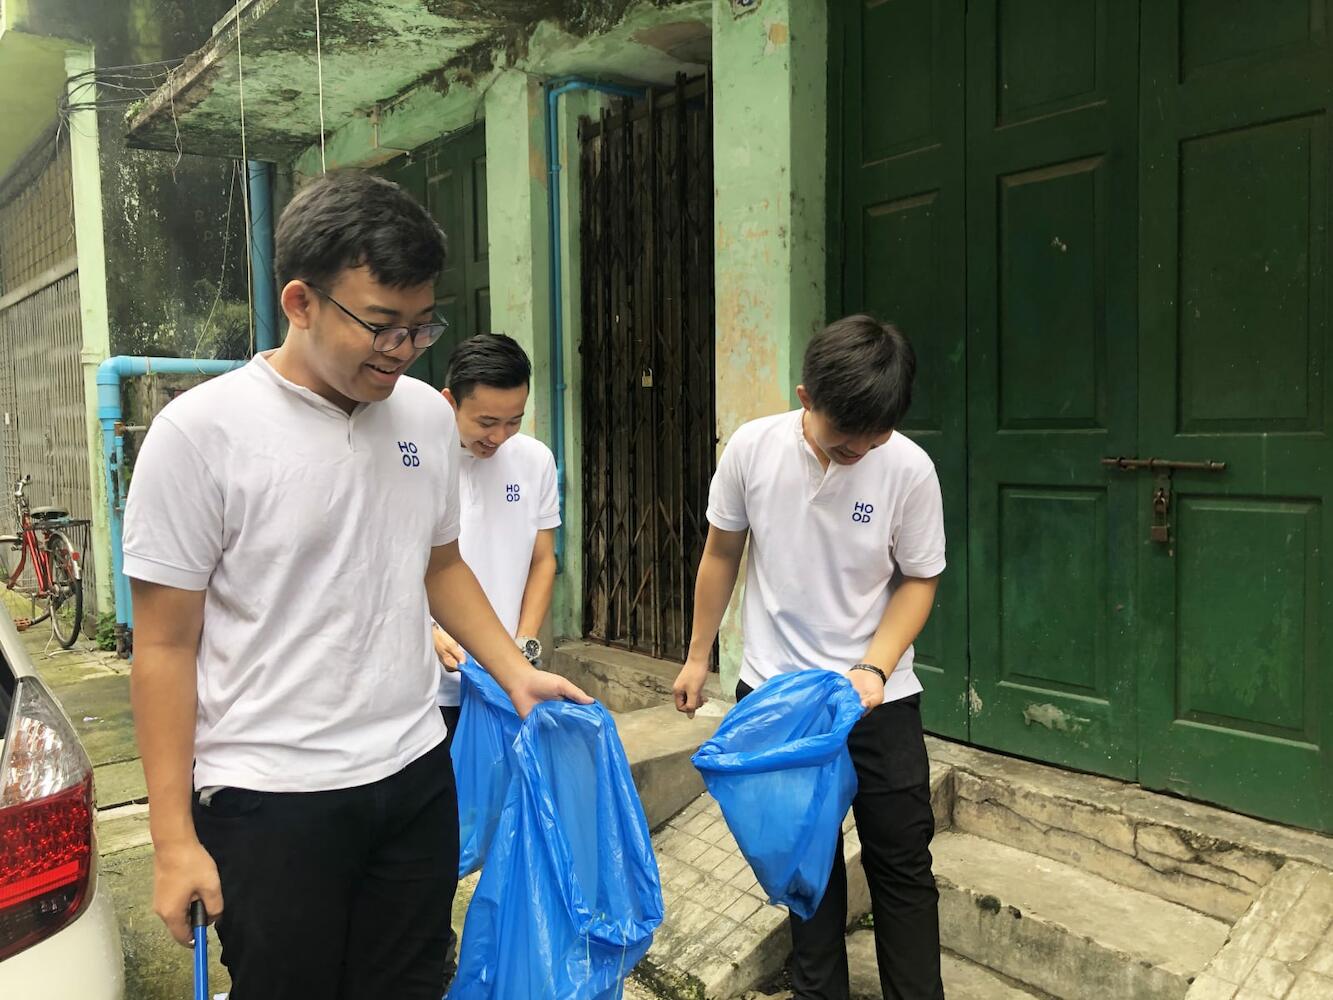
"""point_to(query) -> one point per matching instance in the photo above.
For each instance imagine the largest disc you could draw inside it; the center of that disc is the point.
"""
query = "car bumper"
(81, 962)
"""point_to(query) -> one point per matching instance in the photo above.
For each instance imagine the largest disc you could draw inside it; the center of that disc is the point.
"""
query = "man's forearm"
(164, 696)
(904, 618)
(712, 593)
(537, 596)
(458, 603)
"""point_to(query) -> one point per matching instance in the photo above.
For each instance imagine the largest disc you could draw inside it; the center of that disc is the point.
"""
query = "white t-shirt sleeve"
(726, 494)
(549, 513)
(448, 518)
(174, 513)
(918, 548)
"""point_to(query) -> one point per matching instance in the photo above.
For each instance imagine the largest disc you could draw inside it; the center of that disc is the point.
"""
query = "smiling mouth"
(394, 370)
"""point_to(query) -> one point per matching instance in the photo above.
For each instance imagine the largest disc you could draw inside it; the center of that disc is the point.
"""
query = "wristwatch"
(531, 648)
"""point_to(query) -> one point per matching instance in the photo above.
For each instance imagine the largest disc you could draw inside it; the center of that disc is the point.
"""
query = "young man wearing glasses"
(280, 524)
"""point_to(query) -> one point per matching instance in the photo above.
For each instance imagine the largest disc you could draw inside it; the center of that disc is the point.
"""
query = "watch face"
(532, 649)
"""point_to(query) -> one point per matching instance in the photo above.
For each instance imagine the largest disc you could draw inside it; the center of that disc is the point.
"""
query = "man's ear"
(450, 396)
(804, 397)
(297, 304)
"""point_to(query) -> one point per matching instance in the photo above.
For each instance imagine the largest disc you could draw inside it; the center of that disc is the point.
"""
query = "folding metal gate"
(649, 431)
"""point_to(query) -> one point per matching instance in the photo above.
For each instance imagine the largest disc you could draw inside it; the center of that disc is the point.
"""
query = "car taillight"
(46, 822)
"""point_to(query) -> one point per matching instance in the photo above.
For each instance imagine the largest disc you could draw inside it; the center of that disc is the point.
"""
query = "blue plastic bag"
(483, 757)
(780, 769)
(570, 895)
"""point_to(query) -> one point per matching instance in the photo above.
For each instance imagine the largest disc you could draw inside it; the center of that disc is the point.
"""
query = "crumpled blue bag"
(780, 769)
(483, 758)
(570, 895)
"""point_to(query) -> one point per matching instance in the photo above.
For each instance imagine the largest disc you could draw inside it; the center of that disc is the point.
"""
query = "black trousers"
(895, 823)
(451, 713)
(342, 894)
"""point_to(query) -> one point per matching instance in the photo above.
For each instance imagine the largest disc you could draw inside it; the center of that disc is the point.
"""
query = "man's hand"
(451, 654)
(689, 687)
(181, 874)
(538, 685)
(869, 687)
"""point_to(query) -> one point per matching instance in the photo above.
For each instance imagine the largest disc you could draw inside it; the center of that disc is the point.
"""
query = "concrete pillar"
(770, 118)
(519, 253)
(85, 167)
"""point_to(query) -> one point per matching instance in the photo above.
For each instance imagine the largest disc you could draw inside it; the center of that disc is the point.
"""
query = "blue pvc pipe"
(109, 374)
(260, 176)
(554, 90)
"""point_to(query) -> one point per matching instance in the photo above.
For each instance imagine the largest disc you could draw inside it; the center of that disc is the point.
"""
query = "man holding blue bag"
(509, 504)
(507, 490)
(846, 544)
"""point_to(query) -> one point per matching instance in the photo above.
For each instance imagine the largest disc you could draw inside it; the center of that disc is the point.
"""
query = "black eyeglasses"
(390, 338)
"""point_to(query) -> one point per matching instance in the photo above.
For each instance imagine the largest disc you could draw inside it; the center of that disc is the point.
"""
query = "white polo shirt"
(310, 531)
(506, 499)
(825, 546)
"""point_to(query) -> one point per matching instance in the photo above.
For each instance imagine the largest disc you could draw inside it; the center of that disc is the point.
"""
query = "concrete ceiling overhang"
(371, 51)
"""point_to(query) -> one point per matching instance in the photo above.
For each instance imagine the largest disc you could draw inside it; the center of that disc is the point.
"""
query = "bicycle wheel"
(66, 599)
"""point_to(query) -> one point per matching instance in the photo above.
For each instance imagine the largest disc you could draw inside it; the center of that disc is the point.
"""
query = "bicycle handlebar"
(22, 484)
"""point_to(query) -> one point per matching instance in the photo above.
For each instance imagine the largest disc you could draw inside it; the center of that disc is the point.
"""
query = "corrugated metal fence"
(43, 419)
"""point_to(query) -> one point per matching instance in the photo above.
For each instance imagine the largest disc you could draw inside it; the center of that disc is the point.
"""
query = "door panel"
(449, 177)
(903, 260)
(1236, 704)
(1051, 320)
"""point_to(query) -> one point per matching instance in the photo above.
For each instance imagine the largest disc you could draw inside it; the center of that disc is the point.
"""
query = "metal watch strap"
(883, 677)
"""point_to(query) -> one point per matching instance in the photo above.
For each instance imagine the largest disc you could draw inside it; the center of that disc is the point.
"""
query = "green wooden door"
(899, 86)
(449, 177)
(1051, 178)
(1237, 607)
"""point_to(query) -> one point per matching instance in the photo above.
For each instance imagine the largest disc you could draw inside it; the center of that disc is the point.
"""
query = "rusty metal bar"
(1162, 464)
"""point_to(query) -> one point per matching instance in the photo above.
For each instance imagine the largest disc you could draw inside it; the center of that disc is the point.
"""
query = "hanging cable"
(245, 187)
(319, 70)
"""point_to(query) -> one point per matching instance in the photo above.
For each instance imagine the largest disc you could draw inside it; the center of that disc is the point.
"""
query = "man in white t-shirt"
(509, 502)
(280, 523)
(507, 492)
(846, 544)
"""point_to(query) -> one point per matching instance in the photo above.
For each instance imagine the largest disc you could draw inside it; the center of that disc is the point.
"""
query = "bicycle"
(55, 564)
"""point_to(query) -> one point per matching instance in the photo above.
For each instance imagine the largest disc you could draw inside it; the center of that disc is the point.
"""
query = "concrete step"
(659, 743)
(963, 980)
(1063, 930)
(1196, 855)
(621, 680)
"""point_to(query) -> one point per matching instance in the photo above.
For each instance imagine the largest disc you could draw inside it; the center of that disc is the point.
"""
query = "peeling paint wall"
(769, 103)
(519, 255)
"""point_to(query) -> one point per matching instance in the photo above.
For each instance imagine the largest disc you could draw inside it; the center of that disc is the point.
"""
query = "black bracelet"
(883, 677)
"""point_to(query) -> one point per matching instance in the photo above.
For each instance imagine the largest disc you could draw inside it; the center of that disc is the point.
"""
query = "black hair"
(490, 359)
(858, 372)
(350, 218)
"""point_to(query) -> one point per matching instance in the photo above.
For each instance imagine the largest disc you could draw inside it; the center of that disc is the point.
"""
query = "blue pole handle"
(199, 922)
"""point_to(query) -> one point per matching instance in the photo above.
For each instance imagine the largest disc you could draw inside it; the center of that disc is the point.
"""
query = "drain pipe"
(109, 374)
(555, 89)
(260, 176)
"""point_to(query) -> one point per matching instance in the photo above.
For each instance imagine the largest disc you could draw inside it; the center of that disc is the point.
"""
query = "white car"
(58, 934)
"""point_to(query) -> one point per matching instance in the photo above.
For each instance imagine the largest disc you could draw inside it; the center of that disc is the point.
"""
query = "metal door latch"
(1160, 531)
